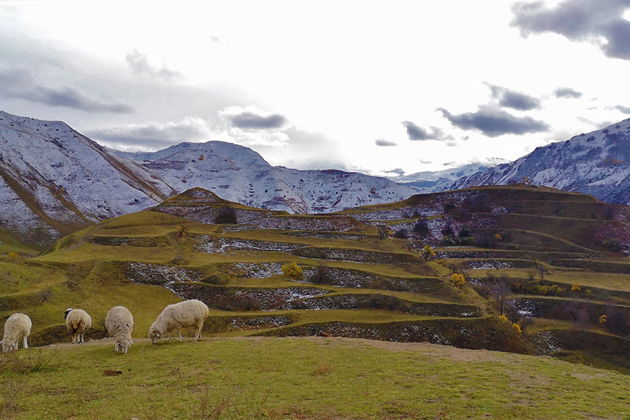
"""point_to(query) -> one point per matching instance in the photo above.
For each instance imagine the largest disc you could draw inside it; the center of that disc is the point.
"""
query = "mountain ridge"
(597, 163)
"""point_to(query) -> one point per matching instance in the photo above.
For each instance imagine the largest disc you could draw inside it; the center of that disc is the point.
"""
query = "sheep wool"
(182, 315)
(119, 324)
(78, 322)
(17, 327)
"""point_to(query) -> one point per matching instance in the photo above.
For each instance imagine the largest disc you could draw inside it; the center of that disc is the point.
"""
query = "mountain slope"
(54, 180)
(597, 163)
(239, 174)
(434, 181)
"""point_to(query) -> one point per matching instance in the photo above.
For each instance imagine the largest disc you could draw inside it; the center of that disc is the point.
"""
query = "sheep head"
(154, 334)
(122, 345)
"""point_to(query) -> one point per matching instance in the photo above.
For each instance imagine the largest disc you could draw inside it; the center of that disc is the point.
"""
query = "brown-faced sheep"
(77, 321)
(16, 327)
(119, 324)
(182, 315)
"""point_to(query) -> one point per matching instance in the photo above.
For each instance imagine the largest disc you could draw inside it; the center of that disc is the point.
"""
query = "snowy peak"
(54, 180)
(596, 163)
(239, 174)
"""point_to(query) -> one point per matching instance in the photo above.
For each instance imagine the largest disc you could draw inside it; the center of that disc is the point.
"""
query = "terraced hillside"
(551, 263)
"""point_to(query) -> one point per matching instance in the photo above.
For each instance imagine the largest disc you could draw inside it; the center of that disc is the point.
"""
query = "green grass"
(302, 378)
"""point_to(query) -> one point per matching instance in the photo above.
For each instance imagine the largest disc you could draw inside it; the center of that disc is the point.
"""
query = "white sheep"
(182, 315)
(16, 327)
(78, 322)
(119, 324)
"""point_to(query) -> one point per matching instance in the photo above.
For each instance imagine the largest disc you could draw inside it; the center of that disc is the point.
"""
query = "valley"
(540, 268)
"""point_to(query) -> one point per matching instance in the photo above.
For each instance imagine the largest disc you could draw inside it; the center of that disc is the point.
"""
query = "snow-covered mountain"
(597, 163)
(237, 173)
(434, 181)
(54, 180)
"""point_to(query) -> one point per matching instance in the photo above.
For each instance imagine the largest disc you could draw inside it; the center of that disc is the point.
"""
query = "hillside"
(302, 378)
(53, 180)
(596, 163)
(239, 174)
(552, 262)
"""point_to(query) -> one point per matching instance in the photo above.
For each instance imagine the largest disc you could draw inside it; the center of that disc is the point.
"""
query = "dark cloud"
(139, 63)
(18, 83)
(512, 99)
(494, 122)
(415, 132)
(384, 143)
(624, 109)
(251, 121)
(152, 134)
(397, 171)
(579, 20)
(567, 93)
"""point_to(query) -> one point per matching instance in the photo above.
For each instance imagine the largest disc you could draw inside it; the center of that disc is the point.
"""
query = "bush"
(428, 253)
(516, 328)
(383, 231)
(226, 216)
(612, 244)
(216, 279)
(457, 280)
(421, 228)
(576, 288)
(321, 275)
(292, 270)
(401, 234)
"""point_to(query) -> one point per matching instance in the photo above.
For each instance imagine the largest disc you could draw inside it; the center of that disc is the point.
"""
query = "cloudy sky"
(373, 86)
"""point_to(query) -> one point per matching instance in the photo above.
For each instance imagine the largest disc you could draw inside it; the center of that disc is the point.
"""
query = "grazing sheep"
(17, 326)
(182, 315)
(119, 324)
(78, 322)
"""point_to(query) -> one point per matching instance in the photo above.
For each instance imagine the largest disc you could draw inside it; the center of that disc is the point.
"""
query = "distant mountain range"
(237, 173)
(596, 163)
(435, 181)
(54, 180)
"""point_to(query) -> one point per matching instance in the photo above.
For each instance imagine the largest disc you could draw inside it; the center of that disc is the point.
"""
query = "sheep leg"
(25, 342)
(198, 332)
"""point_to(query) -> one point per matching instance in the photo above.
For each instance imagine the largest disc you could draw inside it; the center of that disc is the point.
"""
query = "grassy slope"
(302, 378)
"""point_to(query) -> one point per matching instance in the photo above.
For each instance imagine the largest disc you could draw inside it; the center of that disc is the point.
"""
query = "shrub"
(216, 279)
(450, 206)
(181, 231)
(447, 230)
(401, 234)
(321, 275)
(503, 318)
(292, 270)
(383, 231)
(612, 244)
(421, 228)
(428, 253)
(516, 328)
(226, 216)
(576, 288)
(13, 255)
(457, 280)
(603, 319)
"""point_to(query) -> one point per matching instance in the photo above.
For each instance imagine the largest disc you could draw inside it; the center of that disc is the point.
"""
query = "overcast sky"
(362, 85)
